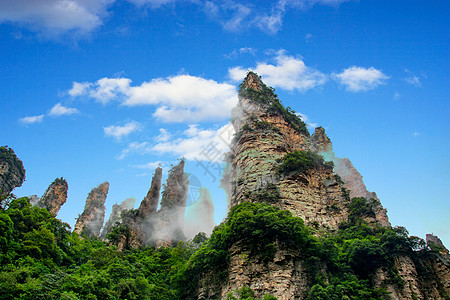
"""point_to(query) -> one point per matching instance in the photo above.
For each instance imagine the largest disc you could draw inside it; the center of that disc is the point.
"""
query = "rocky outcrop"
(170, 219)
(12, 173)
(436, 244)
(116, 213)
(266, 132)
(351, 178)
(147, 226)
(90, 222)
(284, 277)
(150, 203)
(428, 278)
(55, 196)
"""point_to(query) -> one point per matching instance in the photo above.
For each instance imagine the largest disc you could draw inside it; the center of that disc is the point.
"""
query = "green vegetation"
(41, 259)
(267, 98)
(298, 162)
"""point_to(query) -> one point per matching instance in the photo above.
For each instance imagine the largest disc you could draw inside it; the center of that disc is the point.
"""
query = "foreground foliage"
(41, 259)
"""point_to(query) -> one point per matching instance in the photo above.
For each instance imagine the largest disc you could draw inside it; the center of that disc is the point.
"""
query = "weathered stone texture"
(55, 196)
(91, 220)
(115, 216)
(150, 203)
(12, 173)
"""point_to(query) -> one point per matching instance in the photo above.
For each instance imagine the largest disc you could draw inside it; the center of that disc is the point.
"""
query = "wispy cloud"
(118, 132)
(199, 144)
(55, 17)
(181, 98)
(135, 148)
(305, 118)
(288, 72)
(150, 165)
(57, 110)
(357, 79)
(60, 110)
(240, 51)
(32, 119)
(413, 80)
(163, 136)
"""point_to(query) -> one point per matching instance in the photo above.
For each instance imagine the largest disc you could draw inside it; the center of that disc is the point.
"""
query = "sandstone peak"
(320, 141)
(150, 203)
(253, 81)
(91, 220)
(12, 173)
(55, 196)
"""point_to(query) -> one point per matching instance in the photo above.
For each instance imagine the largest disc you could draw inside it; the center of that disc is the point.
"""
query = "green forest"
(42, 259)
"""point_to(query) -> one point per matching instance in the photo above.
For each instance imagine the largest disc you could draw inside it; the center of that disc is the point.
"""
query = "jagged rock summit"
(55, 196)
(149, 226)
(266, 132)
(90, 222)
(275, 160)
(12, 173)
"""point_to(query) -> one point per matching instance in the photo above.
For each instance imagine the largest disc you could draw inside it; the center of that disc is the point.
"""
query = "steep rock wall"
(12, 173)
(115, 216)
(91, 220)
(55, 196)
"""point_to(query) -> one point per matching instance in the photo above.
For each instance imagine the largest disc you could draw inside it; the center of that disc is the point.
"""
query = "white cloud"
(357, 79)
(119, 132)
(243, 50)
(135, 147)
(107, 89)
(273, 22)
(288, 72)
(413, 80)
(305, 119)
(54, 17)
(79, 88)
(235, 16)
(163, 136)
(199, 144)
(60, 110)
(179, 98)
(151, 3)
(305, 4)
(32, 119)
(150, 165)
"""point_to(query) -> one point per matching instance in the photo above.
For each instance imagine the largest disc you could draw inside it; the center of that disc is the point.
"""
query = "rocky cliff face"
(150, 203)
(146, 225)
(12, 173)
(55, 196)
(344, 168)
(91, 220)
(265, 133)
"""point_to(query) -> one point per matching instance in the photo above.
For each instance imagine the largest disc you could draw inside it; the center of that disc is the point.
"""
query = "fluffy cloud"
(79, 88)
(288, 72)
(178, 99)
(135, 148)
(357, 79)
(119, 132)
(60, 110)
(32, 119)
(53, 17)
(199, 144)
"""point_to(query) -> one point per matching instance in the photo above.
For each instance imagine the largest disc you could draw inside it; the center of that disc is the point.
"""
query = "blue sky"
(109, 89)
